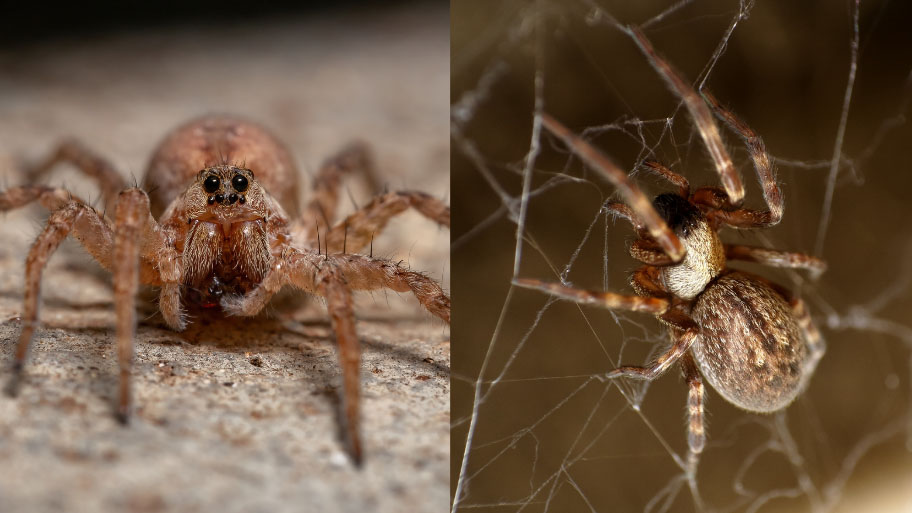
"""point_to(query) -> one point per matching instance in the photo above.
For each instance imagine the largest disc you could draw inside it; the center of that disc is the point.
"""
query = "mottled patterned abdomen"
(751, 349)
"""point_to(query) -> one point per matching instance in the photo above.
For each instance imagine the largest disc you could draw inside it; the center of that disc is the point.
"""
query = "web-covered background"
(545, 433)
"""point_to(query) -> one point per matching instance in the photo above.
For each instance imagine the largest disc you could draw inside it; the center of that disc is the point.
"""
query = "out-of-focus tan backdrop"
(549, 436)
(239, 416)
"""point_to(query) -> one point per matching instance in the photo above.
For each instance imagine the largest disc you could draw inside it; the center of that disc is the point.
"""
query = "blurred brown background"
(550, 437)
(237, 415)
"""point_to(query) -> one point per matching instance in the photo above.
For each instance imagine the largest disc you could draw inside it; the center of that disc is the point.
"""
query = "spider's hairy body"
(750, 347)
(228, 238)
(210, 141)
(227, 247)
(751, 339)
(223, 241)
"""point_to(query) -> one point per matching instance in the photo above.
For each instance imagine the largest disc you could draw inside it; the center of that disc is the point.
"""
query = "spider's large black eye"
(239, 182)
(211, 184)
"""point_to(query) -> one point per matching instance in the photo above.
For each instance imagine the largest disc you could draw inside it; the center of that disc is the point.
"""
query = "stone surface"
(237, 415)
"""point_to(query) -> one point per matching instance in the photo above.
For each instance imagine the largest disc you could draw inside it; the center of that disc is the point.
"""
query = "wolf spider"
(751, 338)
(222, 241)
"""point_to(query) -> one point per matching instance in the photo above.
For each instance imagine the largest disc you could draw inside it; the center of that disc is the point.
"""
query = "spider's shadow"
(237, 335)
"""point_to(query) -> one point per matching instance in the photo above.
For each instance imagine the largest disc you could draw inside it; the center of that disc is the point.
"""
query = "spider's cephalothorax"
(224, 238)
(750, 338)
(705, 256)
(226, 243)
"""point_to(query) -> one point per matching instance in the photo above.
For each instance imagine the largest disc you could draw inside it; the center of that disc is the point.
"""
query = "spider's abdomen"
(751, 348)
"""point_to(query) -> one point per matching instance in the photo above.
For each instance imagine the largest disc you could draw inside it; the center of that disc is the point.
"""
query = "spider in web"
(751, 339)
(221, 243)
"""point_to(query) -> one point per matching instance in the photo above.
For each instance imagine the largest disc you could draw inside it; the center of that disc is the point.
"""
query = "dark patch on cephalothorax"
(680, 215)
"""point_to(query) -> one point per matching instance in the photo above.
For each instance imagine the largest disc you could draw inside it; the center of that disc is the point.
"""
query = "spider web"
(535, 428)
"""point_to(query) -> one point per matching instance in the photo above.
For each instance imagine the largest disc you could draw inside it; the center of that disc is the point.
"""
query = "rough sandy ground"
(238, 415)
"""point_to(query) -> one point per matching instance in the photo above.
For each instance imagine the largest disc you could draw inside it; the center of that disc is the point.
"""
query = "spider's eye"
(239, 182)
(211, 184)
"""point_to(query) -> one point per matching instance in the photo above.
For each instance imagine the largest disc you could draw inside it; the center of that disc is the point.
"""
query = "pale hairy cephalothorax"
(220, 229)
(750, 338)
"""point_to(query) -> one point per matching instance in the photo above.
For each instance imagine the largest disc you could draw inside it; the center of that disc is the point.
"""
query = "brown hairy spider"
(752, 340)
(221, 241)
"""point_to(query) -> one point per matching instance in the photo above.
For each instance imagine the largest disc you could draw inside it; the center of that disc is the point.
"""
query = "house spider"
(221, 241)
(752, 340)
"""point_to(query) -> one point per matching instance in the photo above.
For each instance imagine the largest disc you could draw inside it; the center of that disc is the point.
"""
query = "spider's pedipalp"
(699, 112)
(629, 190)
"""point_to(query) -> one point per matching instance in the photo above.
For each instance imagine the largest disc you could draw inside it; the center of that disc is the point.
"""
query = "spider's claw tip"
(525, 282)
(356, 454)
(231, 305)
(123, 416)
(12, 386)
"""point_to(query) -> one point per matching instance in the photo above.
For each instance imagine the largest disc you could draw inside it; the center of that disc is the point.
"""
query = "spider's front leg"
(339, 304)
(59, 225)
(335, 277)
(68, 215)
(301, 269)
(658, 304)
(118, 250)
(131, 218)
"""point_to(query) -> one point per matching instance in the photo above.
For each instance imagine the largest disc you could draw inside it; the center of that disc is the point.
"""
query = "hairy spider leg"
(339, 304)
(746, 218)
(118, 250)
(776, 258)
(74, 152)
(696, 419)
(353, 158)
(689, 334)
(354, 233)
(300, 269)
(699, 112)
(660, 170)
(609, 300)
(334, 277)
(639, 203)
